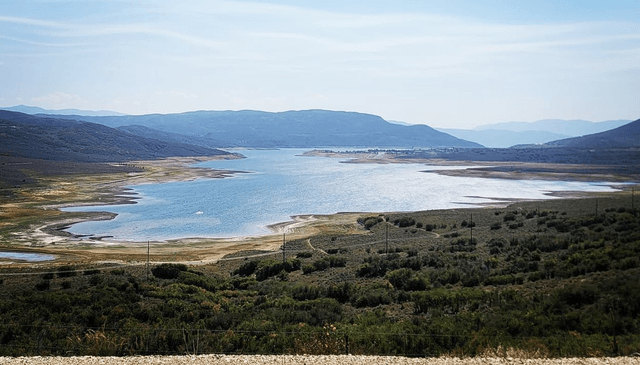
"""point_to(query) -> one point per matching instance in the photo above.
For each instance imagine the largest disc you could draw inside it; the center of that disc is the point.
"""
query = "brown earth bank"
(310, 360)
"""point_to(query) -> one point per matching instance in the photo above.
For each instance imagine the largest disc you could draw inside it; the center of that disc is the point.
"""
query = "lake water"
(282, 184)
(24, 256)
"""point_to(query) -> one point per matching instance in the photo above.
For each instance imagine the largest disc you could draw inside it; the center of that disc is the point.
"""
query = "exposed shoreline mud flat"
(491, 169)
(35, 224)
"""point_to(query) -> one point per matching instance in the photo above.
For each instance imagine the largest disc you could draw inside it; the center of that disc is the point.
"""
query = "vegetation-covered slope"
(627, 136)
(557, 278)
(24, 135)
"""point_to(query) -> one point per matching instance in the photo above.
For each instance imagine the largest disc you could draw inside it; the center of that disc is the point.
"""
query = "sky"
(447, 64)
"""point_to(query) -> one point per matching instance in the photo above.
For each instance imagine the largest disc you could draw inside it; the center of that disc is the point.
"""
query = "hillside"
(29, 136)
(627, 136)
(297, 129)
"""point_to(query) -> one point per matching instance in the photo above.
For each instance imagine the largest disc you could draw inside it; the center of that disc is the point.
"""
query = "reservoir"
(280, 184)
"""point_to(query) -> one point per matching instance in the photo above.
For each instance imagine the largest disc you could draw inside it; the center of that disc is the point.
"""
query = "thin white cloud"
(33, 22)
(269, 54)
(43, 44)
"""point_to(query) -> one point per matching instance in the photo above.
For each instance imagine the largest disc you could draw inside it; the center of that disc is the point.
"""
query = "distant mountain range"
(497, 138)
(125, 137)
(572, 128)
(502, 135)
(291, 129)
(24, 135)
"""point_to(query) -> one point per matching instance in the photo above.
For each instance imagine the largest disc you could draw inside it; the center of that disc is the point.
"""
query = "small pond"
(25, 256)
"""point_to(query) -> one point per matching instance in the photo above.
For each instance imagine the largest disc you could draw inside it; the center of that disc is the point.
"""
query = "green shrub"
(168, 271)
(43, 285)
(404, 222)
(369, 222)
(246, 269)
(304, 255)
(341, 292)
(407, 279)
(372, 298)
(325, 263)
(66, 271)
(269, 268)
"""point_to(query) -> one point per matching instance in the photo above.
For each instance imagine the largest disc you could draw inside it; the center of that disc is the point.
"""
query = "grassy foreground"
(558, 278)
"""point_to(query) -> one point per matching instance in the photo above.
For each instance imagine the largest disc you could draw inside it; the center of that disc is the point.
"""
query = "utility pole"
(386, 239)
(471, 226)
(283, 247)
(148, 252)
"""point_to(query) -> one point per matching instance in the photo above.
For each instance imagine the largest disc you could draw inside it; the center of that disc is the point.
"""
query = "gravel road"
(307, 360)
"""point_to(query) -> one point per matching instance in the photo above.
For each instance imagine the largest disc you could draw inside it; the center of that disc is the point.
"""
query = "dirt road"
(308, 360)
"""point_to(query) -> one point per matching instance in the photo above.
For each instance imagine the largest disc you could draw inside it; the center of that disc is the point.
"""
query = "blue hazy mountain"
(495, 138)
(502, 135)
(301, 129)
(571, 128)
(626, 136)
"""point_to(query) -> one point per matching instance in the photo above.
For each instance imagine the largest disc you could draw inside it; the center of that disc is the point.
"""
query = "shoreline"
(49, 237)
(509, 170)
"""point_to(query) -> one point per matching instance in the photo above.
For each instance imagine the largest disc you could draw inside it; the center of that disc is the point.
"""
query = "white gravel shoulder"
(307, 360)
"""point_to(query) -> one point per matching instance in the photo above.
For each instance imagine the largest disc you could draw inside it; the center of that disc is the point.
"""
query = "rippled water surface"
(281, 184)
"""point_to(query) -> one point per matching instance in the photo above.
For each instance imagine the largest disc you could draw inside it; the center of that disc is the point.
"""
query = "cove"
(281, 184)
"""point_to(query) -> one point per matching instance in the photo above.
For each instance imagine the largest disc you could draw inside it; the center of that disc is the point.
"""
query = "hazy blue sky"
(448, 63)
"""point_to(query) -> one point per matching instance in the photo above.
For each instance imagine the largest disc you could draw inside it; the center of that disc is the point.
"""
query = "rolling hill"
(23, 135)
(627, 136)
